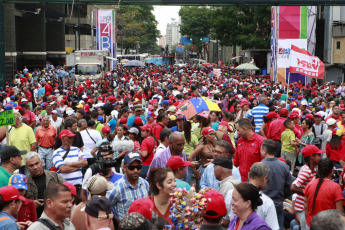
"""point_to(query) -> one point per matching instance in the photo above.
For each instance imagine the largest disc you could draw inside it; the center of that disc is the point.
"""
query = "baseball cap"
(9, 193)
(98, 184)
(330, 121)
(8, 107)
(105, 129)
(179, 117)
(86, 108)
(283, 112)
(151, 114)
(80, 106)
(138, 108)
(123, 120)
(172, 109)
(216, 207)
(311, 149)
(66, 133)
(132, 156)
(99, 207)
(227, 125)
(54, 111)
(272, 115)
(19, 181)
(10, 151)
(71, 188)
(293, 115)
(138, 121)
(146, 127)
(176, 162)
(309, 116)
(304, 103)
(133, 130)
(318, 114)
(143, 206)
(244, 102)
(206, 131)
(224, 162)
(165, 102)
(134, 220)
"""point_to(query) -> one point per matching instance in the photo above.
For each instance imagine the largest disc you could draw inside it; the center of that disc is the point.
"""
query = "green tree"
(246, 26)
(136, 25)
(195, 24)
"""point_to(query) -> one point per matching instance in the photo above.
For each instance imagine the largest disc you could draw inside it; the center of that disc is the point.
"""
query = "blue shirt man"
(258, 113)
(130, 187)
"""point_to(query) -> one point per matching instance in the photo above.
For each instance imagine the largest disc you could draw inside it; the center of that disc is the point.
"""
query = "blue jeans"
(47, 157)
(294, 225)
(280, 217)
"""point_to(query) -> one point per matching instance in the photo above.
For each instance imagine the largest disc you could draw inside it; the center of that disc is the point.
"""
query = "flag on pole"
(301, 61)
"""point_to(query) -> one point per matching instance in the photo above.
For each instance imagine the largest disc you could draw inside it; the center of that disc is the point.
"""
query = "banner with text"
(301, 61)
(106, 36)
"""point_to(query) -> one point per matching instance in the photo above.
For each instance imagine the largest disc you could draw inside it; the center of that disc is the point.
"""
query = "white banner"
(301, 61)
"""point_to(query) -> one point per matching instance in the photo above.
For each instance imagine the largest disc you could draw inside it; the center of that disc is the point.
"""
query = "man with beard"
(57, 209)
(130, 187)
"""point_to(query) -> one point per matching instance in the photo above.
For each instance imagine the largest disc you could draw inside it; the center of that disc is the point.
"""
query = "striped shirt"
(304, 177)
(123, 194)
(74, 155)
(258, 114)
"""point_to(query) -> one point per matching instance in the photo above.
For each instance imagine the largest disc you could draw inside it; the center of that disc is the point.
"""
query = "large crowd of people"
(110, 153)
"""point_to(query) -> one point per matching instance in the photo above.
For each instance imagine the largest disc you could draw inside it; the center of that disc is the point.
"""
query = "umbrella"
(197, 105)
(247, 66)
(134, 63)
(124, 61)
(206, 64)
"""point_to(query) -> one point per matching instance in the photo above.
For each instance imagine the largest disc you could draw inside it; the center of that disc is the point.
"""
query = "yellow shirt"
(287, 136)
(22, 138)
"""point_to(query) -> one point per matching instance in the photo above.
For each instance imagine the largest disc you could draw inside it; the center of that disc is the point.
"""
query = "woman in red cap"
(204, 151)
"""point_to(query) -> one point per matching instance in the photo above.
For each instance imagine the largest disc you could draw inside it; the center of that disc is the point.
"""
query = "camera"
(102, 165)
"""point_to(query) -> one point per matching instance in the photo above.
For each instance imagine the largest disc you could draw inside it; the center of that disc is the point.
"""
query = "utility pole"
(2, 47)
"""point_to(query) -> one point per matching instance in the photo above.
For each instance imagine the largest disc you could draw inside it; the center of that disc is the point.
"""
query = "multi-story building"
(173, 35)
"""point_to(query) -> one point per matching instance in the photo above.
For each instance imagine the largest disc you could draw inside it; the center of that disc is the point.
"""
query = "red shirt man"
(277, 126)
(162, 122)
(48, 89)
(248, 147)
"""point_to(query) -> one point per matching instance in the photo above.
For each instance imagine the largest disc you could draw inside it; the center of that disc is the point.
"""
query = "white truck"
(91, 63)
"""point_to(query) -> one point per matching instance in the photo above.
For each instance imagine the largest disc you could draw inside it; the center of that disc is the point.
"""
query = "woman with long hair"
(191, 142)
(335, 150)
(307, 138)
(205, 151)
(162, 185)
(322, 193)
(147, 148)
(245, 200)
(204, 122)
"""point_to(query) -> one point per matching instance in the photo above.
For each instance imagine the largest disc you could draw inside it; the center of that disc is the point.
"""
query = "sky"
(164, 14)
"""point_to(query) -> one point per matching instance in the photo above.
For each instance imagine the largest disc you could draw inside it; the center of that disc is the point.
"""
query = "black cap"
(224, 162)
(11, 151)
(97, 204)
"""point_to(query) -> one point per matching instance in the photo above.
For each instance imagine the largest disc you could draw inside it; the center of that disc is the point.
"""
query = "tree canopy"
(136, 25)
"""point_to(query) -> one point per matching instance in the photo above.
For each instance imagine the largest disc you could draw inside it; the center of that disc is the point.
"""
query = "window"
(338, 45)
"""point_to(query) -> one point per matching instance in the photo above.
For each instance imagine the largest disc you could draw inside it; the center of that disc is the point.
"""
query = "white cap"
(304, 103)
(331, 121)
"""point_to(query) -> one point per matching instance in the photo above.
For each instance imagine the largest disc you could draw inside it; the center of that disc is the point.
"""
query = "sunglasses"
(132, 167)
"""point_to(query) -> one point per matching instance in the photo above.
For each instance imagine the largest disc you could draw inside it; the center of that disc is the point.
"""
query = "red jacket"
(276, 128)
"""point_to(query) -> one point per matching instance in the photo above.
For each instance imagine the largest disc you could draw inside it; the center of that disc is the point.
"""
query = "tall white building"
(173, 35)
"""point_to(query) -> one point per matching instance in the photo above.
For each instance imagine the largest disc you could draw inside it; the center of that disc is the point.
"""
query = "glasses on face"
(132, 167)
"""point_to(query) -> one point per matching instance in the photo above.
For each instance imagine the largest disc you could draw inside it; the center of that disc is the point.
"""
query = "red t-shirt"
(335, 154)
(157, 130)
(48, 89)
(30, 116)
(166, 215)
(149, 144)
(329, 193)
(27, 212)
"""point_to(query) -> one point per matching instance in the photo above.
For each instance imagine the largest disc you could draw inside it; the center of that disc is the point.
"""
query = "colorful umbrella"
(124, 61)
(197, 105)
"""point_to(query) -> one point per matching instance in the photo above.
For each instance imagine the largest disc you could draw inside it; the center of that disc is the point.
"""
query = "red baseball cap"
(310, 150)
(71, 188)
(244, 102)
(9, 193)
(216, 204)
(292, 104)
(123, 120)
(105, 129)
(227, 125)
(146, 128)
(283, 112)
(138, 121)
(176, 162)
(89, 101)
(207, 130)
(309, 116)
(272, 115)
(293, 114)
(143, 206)
(86, 108)
(66, 133)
